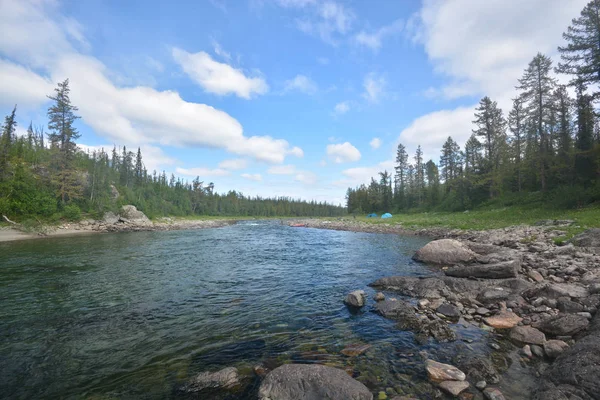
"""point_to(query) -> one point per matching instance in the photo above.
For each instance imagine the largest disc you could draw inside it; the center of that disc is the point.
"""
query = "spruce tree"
(516, 125)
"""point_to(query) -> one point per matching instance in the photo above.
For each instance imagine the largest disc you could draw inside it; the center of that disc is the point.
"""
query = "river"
(136, 315)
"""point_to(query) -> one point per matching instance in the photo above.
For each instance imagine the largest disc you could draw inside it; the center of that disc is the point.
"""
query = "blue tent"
(386, 215)
(372, 215)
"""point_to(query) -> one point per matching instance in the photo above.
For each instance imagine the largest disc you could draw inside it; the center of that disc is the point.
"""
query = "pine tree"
(581, 56)
(6, 141)
(537, 88)
(584, 142)
(564, 132)
(400, 185)
(516, 125)
(139, 168)
(419, 174)
(449, 161)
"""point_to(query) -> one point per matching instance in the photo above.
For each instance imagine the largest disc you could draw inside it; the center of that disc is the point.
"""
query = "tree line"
(545, 150)
(44, 175)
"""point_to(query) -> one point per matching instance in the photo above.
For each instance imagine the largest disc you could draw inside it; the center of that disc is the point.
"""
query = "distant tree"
(516, 125)
(450, 161)
(6, 141)
(400, 176)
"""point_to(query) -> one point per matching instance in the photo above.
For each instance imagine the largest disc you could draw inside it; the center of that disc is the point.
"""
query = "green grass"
(494, 218)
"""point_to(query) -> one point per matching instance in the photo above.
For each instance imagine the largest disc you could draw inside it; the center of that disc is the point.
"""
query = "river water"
(136, 315)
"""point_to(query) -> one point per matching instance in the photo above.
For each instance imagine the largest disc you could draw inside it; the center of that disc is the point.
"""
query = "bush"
(72, 212)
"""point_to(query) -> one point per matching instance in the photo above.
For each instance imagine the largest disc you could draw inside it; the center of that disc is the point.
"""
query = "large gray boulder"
(589, 238)
(355, 299)
(507, 269)
(311, 382)
(130, 214)
(445, 252)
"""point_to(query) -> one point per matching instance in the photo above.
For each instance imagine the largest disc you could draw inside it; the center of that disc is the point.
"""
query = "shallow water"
(136, 315)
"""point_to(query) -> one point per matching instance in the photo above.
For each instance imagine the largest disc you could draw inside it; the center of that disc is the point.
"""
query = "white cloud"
(483, 46)
(306, 177)
(22, 86)
(295, 3)
(373, 40)
(341, 108)
(375, 143)
(359, 175)
(302, 84)
(220, 52)
(218, 78)
(344, 152)
(374, 87)
(282, 170)
(252, 177)
(234, 164)
(328, 19)
(202, 172)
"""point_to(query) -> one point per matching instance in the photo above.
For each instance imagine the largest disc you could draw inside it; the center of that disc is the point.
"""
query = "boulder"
(527, 335)
(311, 382)
(130, 214)
(226, 378)
(563, 325)
(439, 372)
(379, 296)
(453, 387)
(507, 269)
(110, 218)
(449, 310)
(554, 348)
(565, 305)
(503, 320)
(356, 298)
(445, 252)
(394, 309)
(589, 238)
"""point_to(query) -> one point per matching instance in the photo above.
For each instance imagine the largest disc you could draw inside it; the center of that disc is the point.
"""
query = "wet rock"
(379, 296)
(445, 252)
(226, 378)
(503, 320)
(538, 351)
(260, 371)
(394, 309)
(527, 335)
(356, 298)
(507, 269)
(554, 348)
(493, 394)
(448, 310)
(563, 325)
(589, 238)
(478, 369)
(453, 387)
(308, 382)
(439, 330)
(439, 372)
(354, 350)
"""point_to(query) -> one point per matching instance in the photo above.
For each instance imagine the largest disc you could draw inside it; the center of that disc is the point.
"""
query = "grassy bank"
(493, 218)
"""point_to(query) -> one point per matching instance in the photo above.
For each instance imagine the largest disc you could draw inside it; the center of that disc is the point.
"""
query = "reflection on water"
(135, 315)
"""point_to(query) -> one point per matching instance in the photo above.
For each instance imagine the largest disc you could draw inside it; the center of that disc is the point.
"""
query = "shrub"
(72, 212)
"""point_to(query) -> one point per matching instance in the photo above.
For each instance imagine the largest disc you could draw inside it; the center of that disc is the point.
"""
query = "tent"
(386, 215)
(372, 215)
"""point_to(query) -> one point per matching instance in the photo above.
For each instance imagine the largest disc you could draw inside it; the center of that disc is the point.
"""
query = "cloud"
(302, 84)
(359, 175)
(306, 177)
(22, 86)
(375, 143)
(252, 177)
(202, 172)
(341, 153)
(327, 20)
(219, 50)
(483, 46)
(295, 3)
(234, 164)
(341, 108)
(282, 170)
(218, 78)
(373, 40)
(374, 87)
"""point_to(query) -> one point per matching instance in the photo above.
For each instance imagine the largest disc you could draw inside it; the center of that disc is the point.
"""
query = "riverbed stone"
(503, 320)
(438, 372)
(311, 382)
(588, 238)
(493, 394)
(445, 252)
(379, 296)
(554, 348)
(356, 298)
(563, 325)
(506, 269)
(449, 310)
(454, 387)
(527, 335)
(356, 349)
(226, 378)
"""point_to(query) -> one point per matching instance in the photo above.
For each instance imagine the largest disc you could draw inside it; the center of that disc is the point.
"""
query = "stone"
(423, 303)
(354, 350)
(226, 378)
(448, 310)
(131, 215)
(482, 311)
(493, 394)
(526, 351)
(563, 325)
(478, 368)
(538, 351)
(589, 238)
(110, 218)
(536, 276)
(445, 252)
(554, 348)
(439, 372)
(379, 296)
(481, 385)
(453, 387)
(308, 382)
(503, 320)
(507, 269)
(527, 335)
(355, 298)
(565, 305)
(493, 295)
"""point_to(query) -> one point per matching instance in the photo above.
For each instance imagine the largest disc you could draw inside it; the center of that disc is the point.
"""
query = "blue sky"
(298, 98)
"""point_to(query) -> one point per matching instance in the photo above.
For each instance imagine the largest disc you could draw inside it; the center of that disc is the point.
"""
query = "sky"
(298, 98)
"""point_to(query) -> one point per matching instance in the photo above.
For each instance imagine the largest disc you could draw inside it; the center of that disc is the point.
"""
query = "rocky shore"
(129, 219)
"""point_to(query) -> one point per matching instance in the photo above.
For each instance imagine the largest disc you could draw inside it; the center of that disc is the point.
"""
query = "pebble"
(481, 385)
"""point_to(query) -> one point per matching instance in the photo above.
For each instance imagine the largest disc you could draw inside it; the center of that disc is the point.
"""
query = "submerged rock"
(379, 296)
(454, 387)
(226, 378)
(353, 350)
(356, 298)
(445, 252)
(438, 372)
(311, 382)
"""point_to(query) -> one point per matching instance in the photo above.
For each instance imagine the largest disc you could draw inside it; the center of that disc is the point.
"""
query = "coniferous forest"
(44, 175)
(544, 151)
